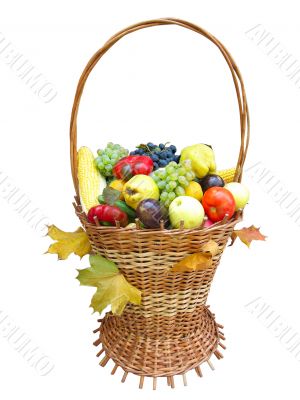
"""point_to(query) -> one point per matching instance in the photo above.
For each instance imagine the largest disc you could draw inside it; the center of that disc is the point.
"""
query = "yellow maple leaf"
(198, 261)
(112, 287)
(68, 242)
(117, 292)
(194, 262)
(211, 246)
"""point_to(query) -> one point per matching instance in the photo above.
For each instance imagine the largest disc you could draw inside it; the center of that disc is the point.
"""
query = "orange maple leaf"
(246, 235)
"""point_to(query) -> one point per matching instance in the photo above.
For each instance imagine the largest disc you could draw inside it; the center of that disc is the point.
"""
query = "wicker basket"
(173, 330)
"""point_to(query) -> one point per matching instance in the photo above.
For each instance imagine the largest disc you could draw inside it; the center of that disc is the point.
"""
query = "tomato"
(218, 202)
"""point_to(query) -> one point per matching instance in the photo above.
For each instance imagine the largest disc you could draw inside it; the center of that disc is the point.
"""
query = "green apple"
(187, 209)
(240, 193)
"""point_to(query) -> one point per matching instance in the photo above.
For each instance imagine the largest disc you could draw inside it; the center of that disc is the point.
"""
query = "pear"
(202, 158)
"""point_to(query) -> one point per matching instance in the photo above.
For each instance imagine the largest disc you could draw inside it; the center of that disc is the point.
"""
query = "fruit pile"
(173, 180)
(157, 187)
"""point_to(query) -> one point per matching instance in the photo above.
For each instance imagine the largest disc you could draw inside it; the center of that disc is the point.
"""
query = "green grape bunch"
(172, 180)
(108, 157)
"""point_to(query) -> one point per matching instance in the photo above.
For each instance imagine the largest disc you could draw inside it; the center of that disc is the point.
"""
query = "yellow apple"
(240, 193)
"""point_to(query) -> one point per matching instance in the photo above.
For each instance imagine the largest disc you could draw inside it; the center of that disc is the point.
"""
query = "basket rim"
(221, 225)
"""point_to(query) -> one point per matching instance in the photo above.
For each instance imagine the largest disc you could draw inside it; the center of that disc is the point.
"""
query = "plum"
(211, 180)
(150, 212)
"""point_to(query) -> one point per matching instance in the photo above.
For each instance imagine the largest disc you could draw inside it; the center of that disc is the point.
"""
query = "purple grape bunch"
(161, 154)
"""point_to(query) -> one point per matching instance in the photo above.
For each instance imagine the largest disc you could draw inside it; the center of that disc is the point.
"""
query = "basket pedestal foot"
(147, 353)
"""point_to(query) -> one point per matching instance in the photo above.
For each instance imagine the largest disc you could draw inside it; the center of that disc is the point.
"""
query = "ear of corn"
(91, 182)
(226, 174)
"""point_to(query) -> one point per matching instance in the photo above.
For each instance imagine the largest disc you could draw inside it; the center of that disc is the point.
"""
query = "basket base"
(160, 357)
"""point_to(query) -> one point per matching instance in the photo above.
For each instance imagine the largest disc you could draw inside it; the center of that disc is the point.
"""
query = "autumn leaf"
(112, 287)
(111, 195)
(100, 267)
(246, 235)
(68, 242)
(211, 246)
(198, 261)
(117, 292)
(194, 262)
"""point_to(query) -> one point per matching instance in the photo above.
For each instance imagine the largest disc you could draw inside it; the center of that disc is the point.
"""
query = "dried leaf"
(194, 262)
(198, 261)
(111, 195)
(246, 235)
(112, 287)
(211, 246)
(143, 146)
(68, 242)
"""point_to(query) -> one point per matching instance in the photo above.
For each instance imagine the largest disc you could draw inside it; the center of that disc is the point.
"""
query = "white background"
(160, 84)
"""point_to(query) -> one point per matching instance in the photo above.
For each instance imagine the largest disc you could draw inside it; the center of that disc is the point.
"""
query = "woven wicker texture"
(177, 351)
(146, 256)
(191, 343)
(172, 331)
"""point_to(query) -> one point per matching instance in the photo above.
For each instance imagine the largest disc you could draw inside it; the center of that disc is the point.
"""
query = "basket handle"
(236, 76)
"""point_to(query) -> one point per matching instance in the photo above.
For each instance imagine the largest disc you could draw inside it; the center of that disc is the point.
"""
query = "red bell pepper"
(129, 166)
(106, 213)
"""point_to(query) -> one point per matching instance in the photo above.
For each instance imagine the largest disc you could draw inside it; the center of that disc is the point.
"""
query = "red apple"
(218, 202)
